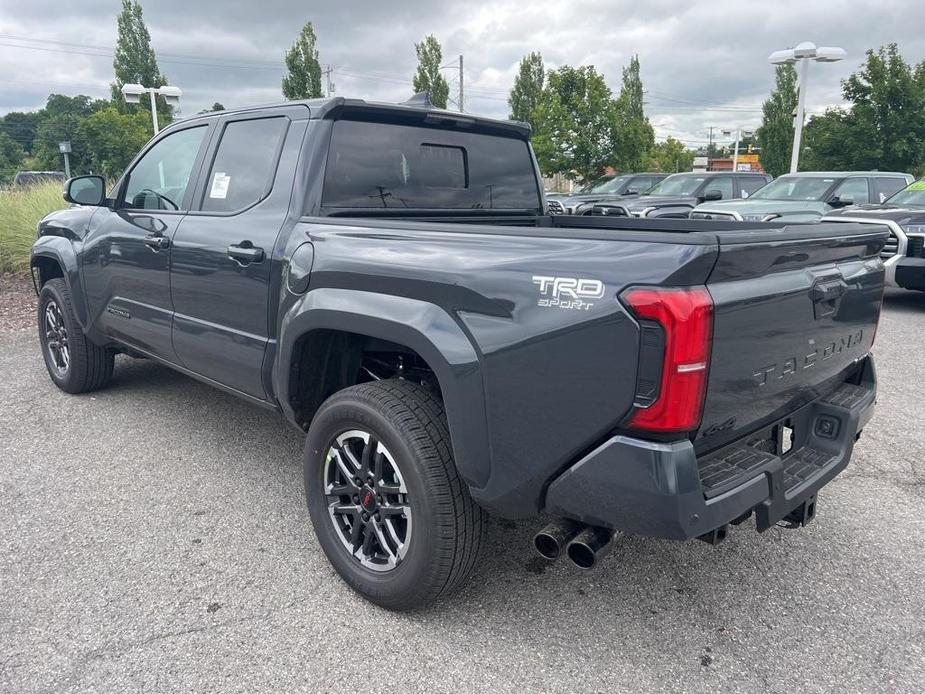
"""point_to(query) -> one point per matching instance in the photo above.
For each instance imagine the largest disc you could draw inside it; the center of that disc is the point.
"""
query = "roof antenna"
(420, 100)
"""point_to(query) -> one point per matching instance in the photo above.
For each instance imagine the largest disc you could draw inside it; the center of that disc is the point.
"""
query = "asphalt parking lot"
(153, 537)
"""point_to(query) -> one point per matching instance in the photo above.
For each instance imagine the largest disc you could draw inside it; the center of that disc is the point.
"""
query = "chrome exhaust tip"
(589, 546)
(550, 541)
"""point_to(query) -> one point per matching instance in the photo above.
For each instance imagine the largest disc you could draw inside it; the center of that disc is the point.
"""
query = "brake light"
(686, 316)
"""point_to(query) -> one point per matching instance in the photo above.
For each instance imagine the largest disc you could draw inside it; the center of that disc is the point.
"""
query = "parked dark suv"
(678, 194)
(612, 189)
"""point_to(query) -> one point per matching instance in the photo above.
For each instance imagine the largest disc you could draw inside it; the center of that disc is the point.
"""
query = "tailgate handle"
(826, 295)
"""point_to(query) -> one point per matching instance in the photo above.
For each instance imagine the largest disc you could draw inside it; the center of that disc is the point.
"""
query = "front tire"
(74, 364)
(388, 507)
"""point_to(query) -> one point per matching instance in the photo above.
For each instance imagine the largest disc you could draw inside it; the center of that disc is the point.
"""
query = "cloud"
(703, 63)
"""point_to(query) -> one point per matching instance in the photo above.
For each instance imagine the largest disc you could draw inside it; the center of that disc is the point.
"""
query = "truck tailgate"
(795, 309)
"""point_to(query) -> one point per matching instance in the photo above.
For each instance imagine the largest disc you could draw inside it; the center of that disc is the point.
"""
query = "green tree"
(11, 157)
(634, 136)
(775, 135)
(135, 61)
(528, 88)
(577, 123)
(427, 78)
(670, 156)
(828, 143)
(60, 120)
(888, 111)
(21, 127)
(884, 127)
(303, 80)
(111, 139)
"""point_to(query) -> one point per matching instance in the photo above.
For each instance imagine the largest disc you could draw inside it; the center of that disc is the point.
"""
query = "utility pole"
(328, 73)
(710, 146)
(461, 109)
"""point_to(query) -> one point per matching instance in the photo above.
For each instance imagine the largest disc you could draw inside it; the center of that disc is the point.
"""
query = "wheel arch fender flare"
(60, 251)
(418, 325)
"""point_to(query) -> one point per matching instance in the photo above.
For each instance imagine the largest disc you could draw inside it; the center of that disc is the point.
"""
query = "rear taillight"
(686, 317)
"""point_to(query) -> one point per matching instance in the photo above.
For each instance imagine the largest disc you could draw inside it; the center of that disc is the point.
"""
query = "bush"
(20, 212)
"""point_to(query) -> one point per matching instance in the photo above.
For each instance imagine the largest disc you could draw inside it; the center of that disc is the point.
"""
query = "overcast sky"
(703, 63)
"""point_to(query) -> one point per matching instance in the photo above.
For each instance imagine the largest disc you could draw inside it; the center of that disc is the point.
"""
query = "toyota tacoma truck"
(386, 277)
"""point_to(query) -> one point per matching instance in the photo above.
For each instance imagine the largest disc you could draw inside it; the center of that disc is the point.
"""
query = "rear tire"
(378, 461)
(74, 364)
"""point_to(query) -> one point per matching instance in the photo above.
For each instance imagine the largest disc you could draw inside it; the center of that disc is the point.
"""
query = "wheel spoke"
(388, 488)
(383, 542)
(369, 452)
(393, 511)
(342, 467)
(351, 459)
(356, 534)
(342, 489)
(368, 538)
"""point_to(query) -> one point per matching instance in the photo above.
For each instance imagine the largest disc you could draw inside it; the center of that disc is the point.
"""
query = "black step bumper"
(664, 490)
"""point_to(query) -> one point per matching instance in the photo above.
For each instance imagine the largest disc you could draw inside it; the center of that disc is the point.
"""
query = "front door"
(125, 265)
(221, 255)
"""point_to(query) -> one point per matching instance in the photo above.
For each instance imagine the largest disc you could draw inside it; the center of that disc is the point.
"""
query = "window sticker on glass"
(219, 185)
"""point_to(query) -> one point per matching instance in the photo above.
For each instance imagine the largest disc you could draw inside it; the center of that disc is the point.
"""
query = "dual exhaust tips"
(585, 545)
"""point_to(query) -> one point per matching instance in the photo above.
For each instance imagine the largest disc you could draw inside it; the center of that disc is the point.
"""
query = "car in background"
(807, 196)
(903, 255)
(27, 179)
(679, 193)
(584, 188)
(613, 188)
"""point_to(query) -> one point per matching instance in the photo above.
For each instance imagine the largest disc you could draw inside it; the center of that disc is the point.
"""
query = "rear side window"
(383, 165)
(723, 184)
(244, 164)
(885, 186)
(749, 184)
(854, 189)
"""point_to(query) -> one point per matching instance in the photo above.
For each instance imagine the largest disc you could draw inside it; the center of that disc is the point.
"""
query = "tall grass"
(20, 211)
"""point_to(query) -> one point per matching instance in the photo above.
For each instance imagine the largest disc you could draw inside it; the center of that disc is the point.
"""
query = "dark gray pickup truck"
(386, 277)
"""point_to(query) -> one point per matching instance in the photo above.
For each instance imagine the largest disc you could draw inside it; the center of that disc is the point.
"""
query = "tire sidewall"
(51, 292)
(406, 584)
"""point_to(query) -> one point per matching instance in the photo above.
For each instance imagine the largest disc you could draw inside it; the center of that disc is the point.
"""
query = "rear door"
(222, 253)
(794, 310)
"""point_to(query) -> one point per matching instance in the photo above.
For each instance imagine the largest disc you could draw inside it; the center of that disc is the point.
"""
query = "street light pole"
(133, 92)
(735, 155)
(799, 118)
(802, 54)
(154, 112)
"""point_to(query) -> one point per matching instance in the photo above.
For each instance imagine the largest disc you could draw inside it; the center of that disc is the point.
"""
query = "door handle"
(157, 241)
(245, 253)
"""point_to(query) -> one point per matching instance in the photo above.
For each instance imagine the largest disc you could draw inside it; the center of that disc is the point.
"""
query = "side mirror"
(85, 190)
(841, 201)
(712, 194)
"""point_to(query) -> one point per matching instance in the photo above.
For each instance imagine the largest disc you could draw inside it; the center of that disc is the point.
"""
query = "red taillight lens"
(686, 316)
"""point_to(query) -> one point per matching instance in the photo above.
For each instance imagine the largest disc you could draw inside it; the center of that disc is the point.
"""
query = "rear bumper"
(664, 490)
(910, 273)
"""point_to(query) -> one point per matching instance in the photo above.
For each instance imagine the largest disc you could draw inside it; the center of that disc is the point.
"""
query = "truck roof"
(339, 106)
(846, 174)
